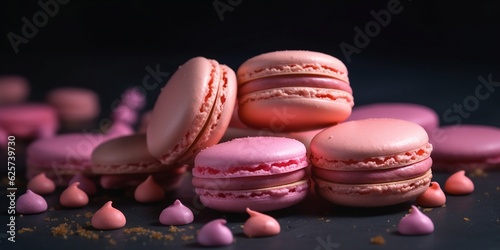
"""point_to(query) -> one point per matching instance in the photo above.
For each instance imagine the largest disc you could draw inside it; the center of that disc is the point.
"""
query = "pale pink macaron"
(293, 90)
(74, 105)
(466, 147)
(27, 121)
(192, 111)
(65, 155)
(371, 162)
(169, 179)
(124, 155)
(14, 89)
(417, 113)
(262, 173)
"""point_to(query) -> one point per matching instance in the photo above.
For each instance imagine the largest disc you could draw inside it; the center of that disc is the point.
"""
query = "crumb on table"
(378, 240)
(466, 219)
(25, 229)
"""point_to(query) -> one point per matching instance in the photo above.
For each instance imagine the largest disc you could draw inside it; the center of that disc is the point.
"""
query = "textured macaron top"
(466, 142)
(250, 156)
(291, 62)
(370, 143)
(185, 106)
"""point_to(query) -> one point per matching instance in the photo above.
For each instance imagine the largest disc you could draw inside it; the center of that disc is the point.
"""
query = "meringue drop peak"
(40, 184)
(432, 197)
(108, 217)
(149, 191)
(30, 203)
(73, 196)
(260, 225)
(215, 233)
(415, 223)
(459, 184)
(176, 214)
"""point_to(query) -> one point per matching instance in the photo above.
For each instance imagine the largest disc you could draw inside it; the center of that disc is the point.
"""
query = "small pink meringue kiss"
(215, 233)
(87, 185)
(73, 196)
(108, 217)
(260, 225)
(149, 191)
(415, 223)
(176, 214)
(459, 184)
(40, 184)
(432, 197)
(31, 203)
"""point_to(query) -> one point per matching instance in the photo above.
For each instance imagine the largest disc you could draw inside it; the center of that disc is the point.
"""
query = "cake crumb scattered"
(61, 230)
(174, 229)
(88, 214)
(24, 230)
(21, 215)
(498, 188)
(444, 205)
(112, 241)
(46, 219)
(427, 209)
(169, 237)
(51, 209)
(187, 237)
(466, 219)
(479, 173)
(191, 227)
(327, 220)
(86, 233)
(377, 240)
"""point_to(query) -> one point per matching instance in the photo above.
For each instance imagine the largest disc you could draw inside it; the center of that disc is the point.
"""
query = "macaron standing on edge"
(371, 162)
(192, 111)
(277, 90)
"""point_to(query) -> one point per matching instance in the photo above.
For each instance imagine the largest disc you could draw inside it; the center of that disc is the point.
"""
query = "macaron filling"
(380, 162)
(295, 68)
(299, 92)
(374, 176)
(293, 81)
(282, 190)
(260, 169)
(250, 182)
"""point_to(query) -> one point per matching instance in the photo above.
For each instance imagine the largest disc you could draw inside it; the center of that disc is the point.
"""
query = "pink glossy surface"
(30, 203)
(215, 233)
(415, 223)
(432, 197)
(419, 114)
(458, 184)
(40, 184)
(260, 225)
(176, 214)
(30, 120)
(251, 156)
(370, 144)
(73, 196)
(108, 218)
(86, 184)
(149, 191)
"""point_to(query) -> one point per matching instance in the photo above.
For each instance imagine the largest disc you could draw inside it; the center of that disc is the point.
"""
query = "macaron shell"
(291, 62)
(267, 199)
(481, 142)
(285, 109)
(419, 114)
(373, 195)
(29, 120)
(126, 154)
(373, 139)
(251, 156)
(74, 104)
(220, 117)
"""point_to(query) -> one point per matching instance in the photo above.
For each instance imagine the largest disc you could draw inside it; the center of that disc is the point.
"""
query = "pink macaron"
(419, 114)
(27, 121)
(293, 90)
(124, 155)
(192, 111)
(65, 155)
(75, 106)
(466, 147)
(262, 173)
(371, 162)
(14, 89)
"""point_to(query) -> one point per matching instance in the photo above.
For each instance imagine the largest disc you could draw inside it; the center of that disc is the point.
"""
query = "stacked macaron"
(277, 90)
(371, 162)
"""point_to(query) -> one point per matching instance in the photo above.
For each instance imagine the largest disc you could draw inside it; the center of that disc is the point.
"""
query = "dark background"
(429, 53)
